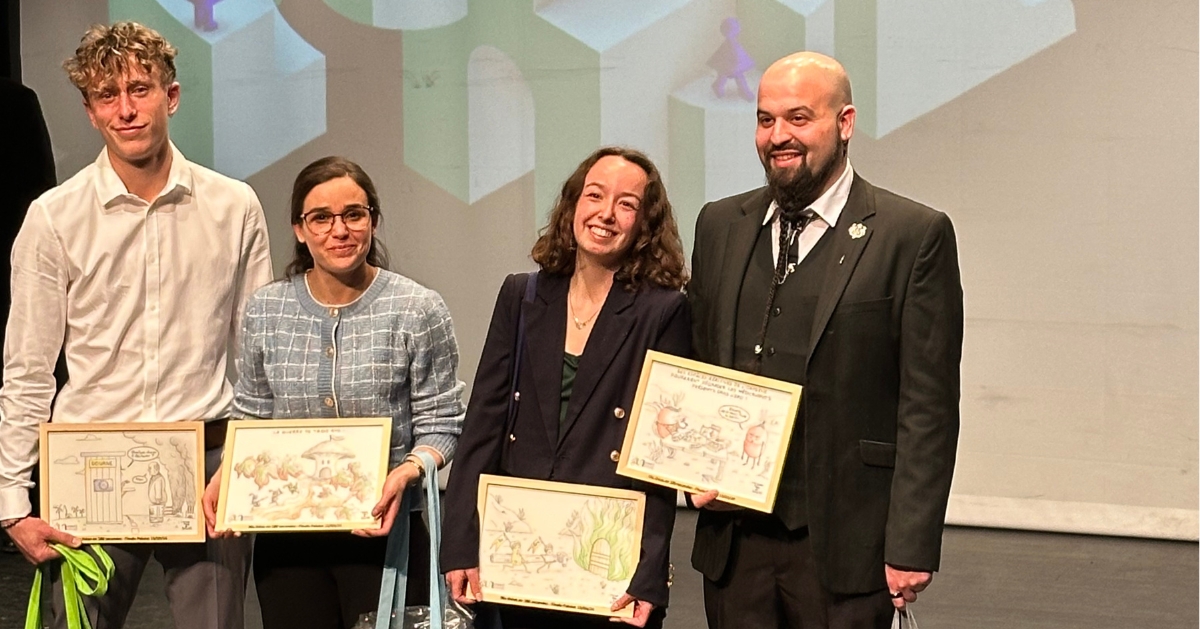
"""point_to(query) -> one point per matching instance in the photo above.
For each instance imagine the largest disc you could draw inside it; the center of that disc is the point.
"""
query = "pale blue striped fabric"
(392, 354)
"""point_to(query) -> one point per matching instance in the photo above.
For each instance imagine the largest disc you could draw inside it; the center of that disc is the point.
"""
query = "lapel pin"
(858, 230)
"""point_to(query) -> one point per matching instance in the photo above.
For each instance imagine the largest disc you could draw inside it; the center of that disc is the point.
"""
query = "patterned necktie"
(791, 223)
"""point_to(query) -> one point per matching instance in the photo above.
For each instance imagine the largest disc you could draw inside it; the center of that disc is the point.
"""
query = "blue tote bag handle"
(390, 614)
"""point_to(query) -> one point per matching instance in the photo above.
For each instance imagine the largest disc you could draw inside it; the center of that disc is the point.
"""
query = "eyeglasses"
(355, 217)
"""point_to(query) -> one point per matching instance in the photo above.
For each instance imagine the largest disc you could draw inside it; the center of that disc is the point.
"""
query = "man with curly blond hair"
(137, 269)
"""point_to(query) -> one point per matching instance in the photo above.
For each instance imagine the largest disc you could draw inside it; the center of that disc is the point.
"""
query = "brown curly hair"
(105, 52)
(656, 256)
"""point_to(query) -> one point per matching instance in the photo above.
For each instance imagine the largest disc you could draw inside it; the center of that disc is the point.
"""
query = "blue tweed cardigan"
(392, 353)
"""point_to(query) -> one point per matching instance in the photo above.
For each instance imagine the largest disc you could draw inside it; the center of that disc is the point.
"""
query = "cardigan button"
(614, 456)
(333, 312)
(619, 413)
(329, 402)
(329, 351)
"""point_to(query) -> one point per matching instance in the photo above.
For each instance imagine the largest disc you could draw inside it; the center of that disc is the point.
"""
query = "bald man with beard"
(822, 279)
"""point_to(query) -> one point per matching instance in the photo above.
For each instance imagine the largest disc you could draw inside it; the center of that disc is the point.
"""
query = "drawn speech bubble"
(735, 414)
(142, 454)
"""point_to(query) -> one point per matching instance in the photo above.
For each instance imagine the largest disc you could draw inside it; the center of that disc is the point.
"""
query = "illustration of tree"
(264, 467)
(604, 525)
(179, 460)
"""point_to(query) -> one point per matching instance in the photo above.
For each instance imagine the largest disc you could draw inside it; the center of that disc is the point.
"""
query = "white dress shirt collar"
(829, 205)
(110, 188)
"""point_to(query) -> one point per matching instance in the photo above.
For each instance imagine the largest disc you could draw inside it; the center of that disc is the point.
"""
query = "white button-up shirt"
(828, 208)
(144, 298)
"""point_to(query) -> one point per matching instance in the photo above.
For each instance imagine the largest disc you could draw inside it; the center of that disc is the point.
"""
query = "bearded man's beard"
(796, 189)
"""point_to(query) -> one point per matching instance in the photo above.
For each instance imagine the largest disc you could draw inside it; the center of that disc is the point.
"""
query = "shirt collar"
(110, 188)
(829, 205)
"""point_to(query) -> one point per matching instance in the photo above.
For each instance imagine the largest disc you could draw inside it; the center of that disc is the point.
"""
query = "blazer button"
(619, 413)
(512, 437)
(516, 396)
(615, 456)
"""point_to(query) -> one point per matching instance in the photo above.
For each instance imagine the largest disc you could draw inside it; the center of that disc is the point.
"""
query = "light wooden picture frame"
(123, 483)
(303, 474)
(558, 546)
(697, 427)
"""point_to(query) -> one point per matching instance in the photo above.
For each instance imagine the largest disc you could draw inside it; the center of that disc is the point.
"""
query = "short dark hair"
(315, 174)
(656, 256)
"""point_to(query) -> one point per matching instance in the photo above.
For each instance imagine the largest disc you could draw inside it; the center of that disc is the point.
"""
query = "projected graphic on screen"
(542, 83)
(497, 89)
(255, 90)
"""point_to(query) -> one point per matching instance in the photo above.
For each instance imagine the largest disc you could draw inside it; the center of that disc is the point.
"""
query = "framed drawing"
(697, 427)
(303, 474)
(558, 545)
(124, 482)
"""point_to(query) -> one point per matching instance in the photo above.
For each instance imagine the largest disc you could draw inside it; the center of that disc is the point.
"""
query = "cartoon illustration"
(300, 474)
(550, 546)
(696, 427)
(669, 421)
(157, 493)
(752, 445)
(123, 482)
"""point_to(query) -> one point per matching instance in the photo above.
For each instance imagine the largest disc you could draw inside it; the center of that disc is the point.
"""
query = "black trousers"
(328, 580)
(771, 581)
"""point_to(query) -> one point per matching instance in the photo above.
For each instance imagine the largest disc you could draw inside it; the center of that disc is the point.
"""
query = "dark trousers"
(328, 580)
(205, 583)
(513, 617)
(771, 581)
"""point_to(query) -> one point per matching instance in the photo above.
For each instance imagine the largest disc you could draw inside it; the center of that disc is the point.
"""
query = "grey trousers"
(205, 583)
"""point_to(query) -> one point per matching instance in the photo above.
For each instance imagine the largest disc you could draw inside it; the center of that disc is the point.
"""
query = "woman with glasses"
(609, 289)
(341, 336)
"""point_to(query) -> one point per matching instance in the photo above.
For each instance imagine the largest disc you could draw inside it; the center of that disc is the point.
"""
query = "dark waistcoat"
(785, 349)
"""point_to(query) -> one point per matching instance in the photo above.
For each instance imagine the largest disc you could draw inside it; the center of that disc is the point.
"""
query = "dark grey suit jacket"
(882, 393)
(581, 449)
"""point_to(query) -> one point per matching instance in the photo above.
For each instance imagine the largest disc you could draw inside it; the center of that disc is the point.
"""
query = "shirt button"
(619, 412)
(329, 351)
(329, 401)
(615, 456)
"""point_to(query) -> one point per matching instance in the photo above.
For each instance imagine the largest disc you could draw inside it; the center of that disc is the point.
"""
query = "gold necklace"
(579, 325)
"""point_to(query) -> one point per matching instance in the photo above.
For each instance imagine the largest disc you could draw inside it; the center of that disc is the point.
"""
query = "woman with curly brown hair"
(612, 267)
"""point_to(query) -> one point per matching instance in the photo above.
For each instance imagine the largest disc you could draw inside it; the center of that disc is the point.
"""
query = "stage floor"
(990, 579)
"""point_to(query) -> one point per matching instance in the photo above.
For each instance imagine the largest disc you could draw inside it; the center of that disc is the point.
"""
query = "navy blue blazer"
(586, 448)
